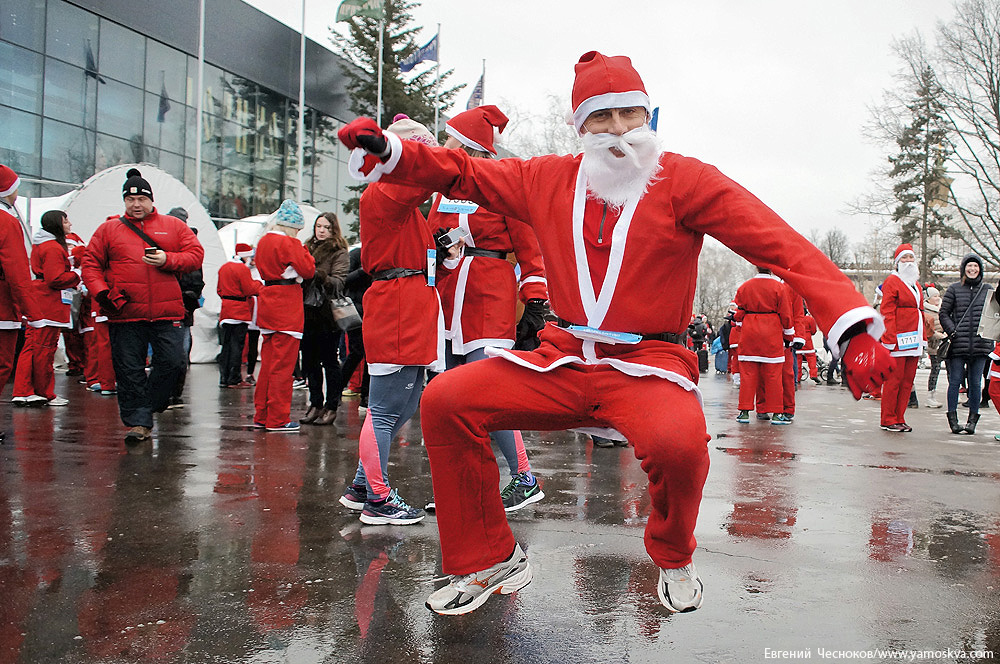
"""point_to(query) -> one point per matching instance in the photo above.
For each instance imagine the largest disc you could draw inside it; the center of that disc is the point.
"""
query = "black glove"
(532, 320)
(797, 345)
(442, 250)
(109, 303)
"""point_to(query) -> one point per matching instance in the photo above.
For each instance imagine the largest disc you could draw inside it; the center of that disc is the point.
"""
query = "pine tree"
(918, 169)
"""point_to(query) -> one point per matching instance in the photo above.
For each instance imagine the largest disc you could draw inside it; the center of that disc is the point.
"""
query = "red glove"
(866, 364)
(365, 134)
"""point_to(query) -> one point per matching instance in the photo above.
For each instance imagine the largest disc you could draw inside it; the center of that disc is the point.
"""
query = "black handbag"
(314, 294)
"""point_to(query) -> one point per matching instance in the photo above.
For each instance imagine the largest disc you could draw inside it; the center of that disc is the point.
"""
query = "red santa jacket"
(113, 263)
(53, 274)
(279, 306)
(16, 297)
(809, 328)
(479, 294)
(236, 286)
(403, 321)
(610, 275)
(995, 362)
(765, 312)
(902, 308)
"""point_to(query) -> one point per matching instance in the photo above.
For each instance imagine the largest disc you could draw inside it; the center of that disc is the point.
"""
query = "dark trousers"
(234, 336)
(139, 395)
(957, 367)
(253, 342)
(182, 377)
(319, 358)
(355, 355)
(935, 370)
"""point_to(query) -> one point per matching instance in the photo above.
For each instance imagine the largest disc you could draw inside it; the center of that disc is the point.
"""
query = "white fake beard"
(908, 272)
(616, 180)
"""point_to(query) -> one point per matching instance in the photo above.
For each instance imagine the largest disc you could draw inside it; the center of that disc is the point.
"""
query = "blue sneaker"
(743, 417)
(355, 497)
(288, 427)
(780, 418)
(392, 511)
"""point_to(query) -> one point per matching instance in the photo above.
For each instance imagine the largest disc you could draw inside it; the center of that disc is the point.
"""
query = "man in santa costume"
(16, 297)
(235, 287)
(808, 351)
(614, 224)
(765, 314)
(902, 311)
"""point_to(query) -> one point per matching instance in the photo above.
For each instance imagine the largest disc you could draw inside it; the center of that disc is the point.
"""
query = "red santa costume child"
(73, 336)
(808, 351)
(403, 331)
(236, 287)
(54, 285)
(994, 376)
(765, 315)
(479, 292)
(902, 310)
(790, 370)
(283, 262)
(613, 224)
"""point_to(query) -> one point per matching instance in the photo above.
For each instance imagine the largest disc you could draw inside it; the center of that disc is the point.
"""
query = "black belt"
(669, 337)
(760, 313)
(279, 282)
(235, 298)
(486, 253)
(395, 273)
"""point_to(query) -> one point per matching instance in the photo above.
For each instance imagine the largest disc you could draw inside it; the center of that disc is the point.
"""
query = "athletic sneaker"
(763, 416)
(465, 593)
(393, 511)
(680, 590)
(36, 400)
(780, 418)
(519, 493)
(431, 507)
(288, 427)
(108, 393)
(96, 387)
(58, 401)
(259, 425)
(19, 401)
(743, 417)
(348, 393)
(354, 497)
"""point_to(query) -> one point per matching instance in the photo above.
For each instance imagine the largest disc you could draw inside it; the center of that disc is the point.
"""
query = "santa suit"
(53, 279)
(765, 313)
(73, 339)
(16, 296)
(280, 317)
(610, 277)
(236, 287)
(734, 348)
(790, 370)
(994, 376)
(902, 307)
(808, 351)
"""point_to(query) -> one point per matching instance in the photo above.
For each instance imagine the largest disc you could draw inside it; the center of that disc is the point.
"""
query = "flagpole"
(437, 81)
(378, 100)
(201, 101)
(483, 79)
(300, 150)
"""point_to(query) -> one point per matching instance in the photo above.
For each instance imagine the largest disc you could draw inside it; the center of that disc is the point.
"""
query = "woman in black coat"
(961, 309)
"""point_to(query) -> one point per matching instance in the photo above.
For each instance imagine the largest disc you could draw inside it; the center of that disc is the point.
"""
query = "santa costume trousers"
(663, 421)
(35, 373)
(76, 351)
(99, 370)
(896, 390)
(789, 379)
(8, 352)
(994, 388)
(272, 397)
(756, 377)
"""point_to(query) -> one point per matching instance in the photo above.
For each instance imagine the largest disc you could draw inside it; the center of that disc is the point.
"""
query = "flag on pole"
(428, 51)
(161, 115)
(476, 98)
(369, 8)
(655, 119)
(91, 67)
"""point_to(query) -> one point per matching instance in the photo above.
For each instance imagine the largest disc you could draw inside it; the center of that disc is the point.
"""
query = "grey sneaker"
(518, 493)
(680, 590)
(467, 593)
(392, 511)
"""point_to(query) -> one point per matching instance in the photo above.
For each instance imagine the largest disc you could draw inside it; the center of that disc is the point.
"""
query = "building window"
(23, 133)
(123, 54)
(119, 110)
(67, 152)
(23, 22)
(70, 94)
(20, 78)
(71, 35)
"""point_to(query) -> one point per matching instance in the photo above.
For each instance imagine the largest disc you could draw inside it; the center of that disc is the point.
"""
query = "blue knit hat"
(289, 215)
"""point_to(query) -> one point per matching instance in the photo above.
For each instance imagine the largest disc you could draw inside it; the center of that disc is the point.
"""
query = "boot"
(932, 401)
(970, 426)
(953, 422)
(311, 415)
(326, 417)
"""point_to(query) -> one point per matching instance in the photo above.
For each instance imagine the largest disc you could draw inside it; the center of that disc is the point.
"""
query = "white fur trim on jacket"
(875, 326)
(358, 155)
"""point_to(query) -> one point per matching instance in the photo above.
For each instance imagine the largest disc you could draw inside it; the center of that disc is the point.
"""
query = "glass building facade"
(80, 92)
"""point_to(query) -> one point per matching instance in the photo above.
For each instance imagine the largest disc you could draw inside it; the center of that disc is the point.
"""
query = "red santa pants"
(896, 390)
(272, 397)
(788, 381)
(810, 359)
(100, 369)
(994, 384)
(8, 349)
(35, 373)
(663, 421)
(760, 377)
(734, 361)
(76, 350)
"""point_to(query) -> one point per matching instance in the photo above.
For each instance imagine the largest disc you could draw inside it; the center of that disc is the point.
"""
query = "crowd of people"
(581, 245)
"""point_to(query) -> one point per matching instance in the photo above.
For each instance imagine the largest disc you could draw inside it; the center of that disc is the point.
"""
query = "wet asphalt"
(217, 543)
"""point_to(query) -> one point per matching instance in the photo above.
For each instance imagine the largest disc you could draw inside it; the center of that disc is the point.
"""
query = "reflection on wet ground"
(218, 543)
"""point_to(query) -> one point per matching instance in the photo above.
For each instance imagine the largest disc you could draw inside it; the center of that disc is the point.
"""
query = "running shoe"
(288, 427)
(37, 400)
(392, 511)
(58, 401)
(520, 493)
(680, 590)
(354, 497)
(743, 417)
(780, 418)
(465, 593)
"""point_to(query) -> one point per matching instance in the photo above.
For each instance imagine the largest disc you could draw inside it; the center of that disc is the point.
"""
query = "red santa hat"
(605, 82)
(478, 127)
(243, 250)
(903, 250)
(9, 182)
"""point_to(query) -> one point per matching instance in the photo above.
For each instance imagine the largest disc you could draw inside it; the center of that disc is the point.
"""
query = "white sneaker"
(36, 400)
(19, 401)
(680, 590)
(59, 401)
(932, 403)
(467, 593)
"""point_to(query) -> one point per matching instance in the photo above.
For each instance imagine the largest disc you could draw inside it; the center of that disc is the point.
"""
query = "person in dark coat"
(961, 309)
(192, 284)
(355, 285)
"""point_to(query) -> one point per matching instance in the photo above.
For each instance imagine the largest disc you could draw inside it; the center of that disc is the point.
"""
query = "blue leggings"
(392, 401)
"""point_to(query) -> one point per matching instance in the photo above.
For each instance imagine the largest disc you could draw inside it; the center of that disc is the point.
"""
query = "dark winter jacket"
(192, 284)
(358, 280)
(331, 271)
(972, 295)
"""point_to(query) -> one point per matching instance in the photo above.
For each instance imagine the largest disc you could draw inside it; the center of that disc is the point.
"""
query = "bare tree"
(837, 247)
(720, 273)
(531, 135)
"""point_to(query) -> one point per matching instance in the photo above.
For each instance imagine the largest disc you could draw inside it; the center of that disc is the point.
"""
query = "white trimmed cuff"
(875, 327)
(358, 155)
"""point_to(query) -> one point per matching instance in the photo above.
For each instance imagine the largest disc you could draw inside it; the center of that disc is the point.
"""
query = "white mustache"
(625, 142)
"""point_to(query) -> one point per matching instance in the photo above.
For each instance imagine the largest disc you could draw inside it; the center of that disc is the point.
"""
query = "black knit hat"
(136, 185)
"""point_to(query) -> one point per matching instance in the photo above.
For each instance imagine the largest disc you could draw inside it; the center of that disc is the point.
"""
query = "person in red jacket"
(131, 269)
(54, 285)
(902, 309)
(283, 262)
(765, 315)
(808, 351)
(235, 286)
(73, 336)
(16, 297)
